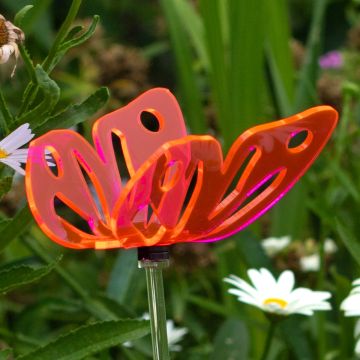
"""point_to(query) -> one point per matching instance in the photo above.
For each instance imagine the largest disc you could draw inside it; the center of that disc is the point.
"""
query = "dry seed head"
(10, 37)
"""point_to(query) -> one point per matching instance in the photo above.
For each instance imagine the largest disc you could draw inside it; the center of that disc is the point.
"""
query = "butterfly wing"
(88, 182)
(269, 162)
(262, 165)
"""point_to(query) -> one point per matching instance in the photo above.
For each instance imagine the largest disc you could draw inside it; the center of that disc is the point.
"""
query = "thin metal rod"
(157, 310)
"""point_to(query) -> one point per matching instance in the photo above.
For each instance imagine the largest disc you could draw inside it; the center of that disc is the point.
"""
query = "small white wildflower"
(174, 334)
(10, 154)
(351, 307)
(310, 263)
(277, 296)
(330, 246)
(351, 304)
(273, 245)
(10, 37)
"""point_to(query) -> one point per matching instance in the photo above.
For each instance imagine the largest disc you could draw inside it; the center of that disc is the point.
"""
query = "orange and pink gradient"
(180, 188)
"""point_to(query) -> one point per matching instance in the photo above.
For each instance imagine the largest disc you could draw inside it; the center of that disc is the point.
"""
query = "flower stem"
(5, 116)
(269, 338)
(53, 57)
(156, 299)
(48, 63)
(320, 284)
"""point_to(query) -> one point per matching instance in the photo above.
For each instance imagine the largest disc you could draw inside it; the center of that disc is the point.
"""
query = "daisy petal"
(286, 281)
(14, 165)
(17, 138)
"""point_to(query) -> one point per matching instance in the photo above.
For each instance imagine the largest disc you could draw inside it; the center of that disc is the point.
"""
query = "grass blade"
(277, 41)
(190, 93)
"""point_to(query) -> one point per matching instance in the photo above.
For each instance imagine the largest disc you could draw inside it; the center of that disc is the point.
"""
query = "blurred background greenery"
(231, 64)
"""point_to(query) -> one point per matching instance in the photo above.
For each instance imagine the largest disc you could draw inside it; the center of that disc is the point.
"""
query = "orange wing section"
(180, 188)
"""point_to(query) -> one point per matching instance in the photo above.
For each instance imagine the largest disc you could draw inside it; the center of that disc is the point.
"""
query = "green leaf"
(19, 275)
(75, 114)
(349, 240)
(73, 32)
(90, 339)
(123, 275)
(75, 41)
(231, 341)
(54, 55)
(51, 95)
(21, 14)
(5, 185)
(30, 68)
(12, 228)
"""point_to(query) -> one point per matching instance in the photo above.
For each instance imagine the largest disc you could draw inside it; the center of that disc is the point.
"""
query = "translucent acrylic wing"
(180, 189)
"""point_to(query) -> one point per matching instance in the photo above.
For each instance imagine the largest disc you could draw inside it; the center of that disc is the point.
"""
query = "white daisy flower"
(10, 154)
(273, 245)
(310, 263)
(351, 304)
(278, 296)
(10, 37)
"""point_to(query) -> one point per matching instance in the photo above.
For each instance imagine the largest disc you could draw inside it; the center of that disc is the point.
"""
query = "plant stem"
(156, 299)
(5, 116)
(269, 338)
(61, 35)
(320, 284)
(50, 61)
(343, 126)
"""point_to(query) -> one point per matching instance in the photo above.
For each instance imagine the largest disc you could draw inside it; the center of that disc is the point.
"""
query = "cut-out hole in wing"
(299, 140)
(233, 190)
(65, 211)
(194, 182)
(259, 190)
(53, 161)
(119, 156)
(94, 195)
(151, 120)
(170, 175)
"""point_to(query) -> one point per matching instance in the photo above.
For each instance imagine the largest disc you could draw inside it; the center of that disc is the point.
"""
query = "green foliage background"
(231, 66)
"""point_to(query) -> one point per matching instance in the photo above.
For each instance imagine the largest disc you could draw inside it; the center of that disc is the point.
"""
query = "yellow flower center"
(282, 303)
(3, 154)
